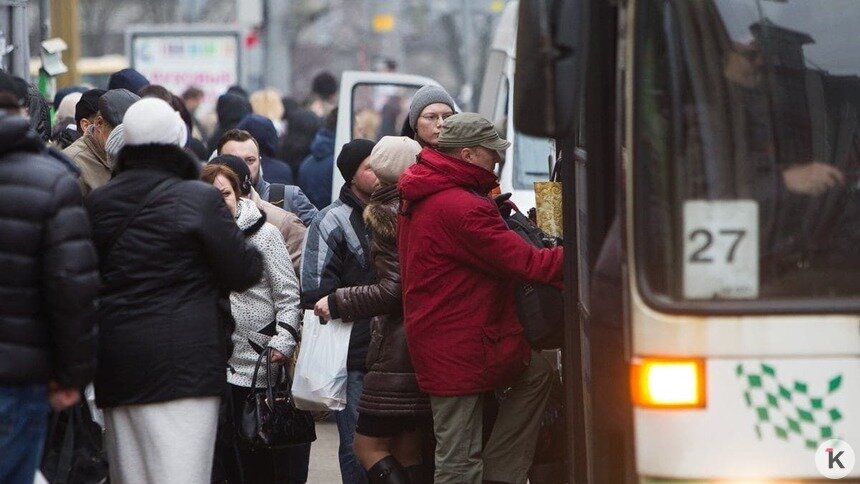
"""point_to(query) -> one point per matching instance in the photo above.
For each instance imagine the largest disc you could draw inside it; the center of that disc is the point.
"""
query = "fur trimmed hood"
(380, 215)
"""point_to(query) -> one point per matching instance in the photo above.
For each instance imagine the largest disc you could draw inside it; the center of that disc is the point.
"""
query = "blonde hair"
(367, 122)
(267, 102)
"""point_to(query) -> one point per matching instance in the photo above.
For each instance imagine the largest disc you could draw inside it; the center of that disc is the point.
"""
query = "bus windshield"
(747, 152)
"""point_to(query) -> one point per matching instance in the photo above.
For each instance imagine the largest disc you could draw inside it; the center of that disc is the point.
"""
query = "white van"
(372, 105)
(375, 104)
(528, 160)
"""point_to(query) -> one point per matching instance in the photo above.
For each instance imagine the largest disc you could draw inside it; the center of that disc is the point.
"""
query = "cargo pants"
(458, 425)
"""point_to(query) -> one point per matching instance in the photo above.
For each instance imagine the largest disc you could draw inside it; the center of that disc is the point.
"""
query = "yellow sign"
(497, 6)
(383, 22)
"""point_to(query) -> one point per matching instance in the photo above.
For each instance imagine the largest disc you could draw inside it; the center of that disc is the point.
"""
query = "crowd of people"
(160, 261)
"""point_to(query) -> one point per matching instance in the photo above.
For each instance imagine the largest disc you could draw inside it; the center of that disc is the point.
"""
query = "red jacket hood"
(436, 172)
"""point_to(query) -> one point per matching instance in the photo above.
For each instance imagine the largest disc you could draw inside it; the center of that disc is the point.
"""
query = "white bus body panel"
(722, 440)
(732, 438)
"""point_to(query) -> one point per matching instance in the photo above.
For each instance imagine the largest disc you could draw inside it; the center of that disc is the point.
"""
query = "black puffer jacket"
(49, 277)
(161, 337)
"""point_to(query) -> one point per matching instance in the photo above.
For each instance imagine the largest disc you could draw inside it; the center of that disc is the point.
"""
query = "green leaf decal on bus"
(795, 411)
(835, 384)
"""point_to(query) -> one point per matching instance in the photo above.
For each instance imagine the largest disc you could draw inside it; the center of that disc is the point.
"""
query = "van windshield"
(747, 151)
(532, 157)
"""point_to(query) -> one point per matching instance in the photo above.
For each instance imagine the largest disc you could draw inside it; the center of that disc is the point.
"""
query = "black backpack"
(540, 307)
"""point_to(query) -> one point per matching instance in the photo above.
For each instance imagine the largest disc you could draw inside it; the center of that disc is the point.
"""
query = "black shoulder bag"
(270, 419)
(277, 192)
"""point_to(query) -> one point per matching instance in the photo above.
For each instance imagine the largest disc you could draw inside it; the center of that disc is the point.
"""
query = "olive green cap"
(470, 129)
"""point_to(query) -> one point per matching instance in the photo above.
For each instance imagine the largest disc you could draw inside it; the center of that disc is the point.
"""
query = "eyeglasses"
(431, 117)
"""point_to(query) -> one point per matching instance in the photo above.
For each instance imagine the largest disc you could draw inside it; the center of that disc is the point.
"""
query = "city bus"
(710, 155)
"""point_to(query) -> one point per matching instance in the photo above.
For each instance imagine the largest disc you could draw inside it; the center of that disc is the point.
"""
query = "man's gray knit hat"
(426, 96)
(114, 103)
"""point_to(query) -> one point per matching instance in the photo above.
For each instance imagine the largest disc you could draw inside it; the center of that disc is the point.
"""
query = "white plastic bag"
(320, 378)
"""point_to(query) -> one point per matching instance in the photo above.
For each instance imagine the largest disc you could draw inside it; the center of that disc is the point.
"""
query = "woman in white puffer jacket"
(266, 315)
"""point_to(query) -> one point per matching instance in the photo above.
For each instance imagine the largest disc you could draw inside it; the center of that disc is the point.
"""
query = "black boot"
(387, 471)
(420, 474)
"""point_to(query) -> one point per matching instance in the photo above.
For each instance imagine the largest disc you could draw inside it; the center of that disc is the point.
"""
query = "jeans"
(23, 424)
(351, 470)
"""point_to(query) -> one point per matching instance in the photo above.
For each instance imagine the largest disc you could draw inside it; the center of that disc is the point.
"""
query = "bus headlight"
(668, 383)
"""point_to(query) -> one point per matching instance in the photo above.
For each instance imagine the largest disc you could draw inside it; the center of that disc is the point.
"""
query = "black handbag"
(270, 419)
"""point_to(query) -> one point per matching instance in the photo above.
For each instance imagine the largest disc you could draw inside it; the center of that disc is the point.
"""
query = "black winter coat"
(161, 333)
(49, 278)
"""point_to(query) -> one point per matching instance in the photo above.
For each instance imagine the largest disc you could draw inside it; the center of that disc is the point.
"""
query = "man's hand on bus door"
(812, 178)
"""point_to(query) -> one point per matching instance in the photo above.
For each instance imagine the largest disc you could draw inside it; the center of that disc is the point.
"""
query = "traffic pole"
(65, 25)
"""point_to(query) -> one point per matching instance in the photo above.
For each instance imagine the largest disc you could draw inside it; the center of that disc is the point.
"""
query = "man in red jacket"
(460, 265)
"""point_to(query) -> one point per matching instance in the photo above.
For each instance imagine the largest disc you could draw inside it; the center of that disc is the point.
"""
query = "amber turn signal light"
(668, 383)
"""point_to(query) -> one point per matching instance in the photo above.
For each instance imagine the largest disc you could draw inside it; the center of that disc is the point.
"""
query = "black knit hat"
(239, 167)
(88, 104)
(351, 156)
(324, 84)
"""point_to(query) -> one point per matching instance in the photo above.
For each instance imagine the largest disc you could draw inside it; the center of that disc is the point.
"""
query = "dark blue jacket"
(263, 130)
(315, 172)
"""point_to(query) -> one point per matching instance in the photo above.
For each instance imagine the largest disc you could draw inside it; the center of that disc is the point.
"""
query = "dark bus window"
(747, 151)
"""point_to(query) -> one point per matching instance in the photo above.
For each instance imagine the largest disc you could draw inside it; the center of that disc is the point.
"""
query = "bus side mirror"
(551, 38)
